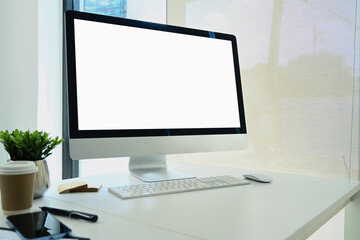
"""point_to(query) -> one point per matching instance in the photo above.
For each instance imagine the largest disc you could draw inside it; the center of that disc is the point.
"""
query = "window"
(106, 7)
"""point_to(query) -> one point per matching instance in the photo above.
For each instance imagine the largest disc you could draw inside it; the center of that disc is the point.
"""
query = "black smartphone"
(37, 225)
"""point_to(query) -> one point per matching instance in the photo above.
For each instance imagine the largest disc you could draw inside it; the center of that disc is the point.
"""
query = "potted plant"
(31, 146)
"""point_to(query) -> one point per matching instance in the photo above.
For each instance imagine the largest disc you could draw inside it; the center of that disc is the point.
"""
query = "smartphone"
(37, 225)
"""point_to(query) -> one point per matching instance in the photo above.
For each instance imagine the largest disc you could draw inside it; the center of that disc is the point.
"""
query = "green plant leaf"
(28, 145)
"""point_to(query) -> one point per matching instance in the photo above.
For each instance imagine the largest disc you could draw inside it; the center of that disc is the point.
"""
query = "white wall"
(18, 66)
(31, 70)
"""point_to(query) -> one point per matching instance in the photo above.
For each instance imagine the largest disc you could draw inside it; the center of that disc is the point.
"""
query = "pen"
(71, 214)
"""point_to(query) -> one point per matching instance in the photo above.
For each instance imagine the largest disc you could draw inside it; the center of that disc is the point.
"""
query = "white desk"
(291, 207)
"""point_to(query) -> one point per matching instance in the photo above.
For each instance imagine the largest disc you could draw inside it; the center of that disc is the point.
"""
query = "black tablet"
(37, 225)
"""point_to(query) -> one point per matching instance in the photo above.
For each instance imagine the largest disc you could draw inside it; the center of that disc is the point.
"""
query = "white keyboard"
(175, 186)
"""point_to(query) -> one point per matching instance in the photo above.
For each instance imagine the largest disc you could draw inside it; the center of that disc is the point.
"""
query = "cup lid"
(18, 167)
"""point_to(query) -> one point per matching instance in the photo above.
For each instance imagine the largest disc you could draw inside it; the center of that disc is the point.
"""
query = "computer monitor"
(146, 90)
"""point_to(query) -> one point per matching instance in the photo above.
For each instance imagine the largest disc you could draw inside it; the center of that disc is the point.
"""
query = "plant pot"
(42, 179)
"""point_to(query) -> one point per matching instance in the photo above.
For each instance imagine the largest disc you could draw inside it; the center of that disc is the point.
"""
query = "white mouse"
(259, 177)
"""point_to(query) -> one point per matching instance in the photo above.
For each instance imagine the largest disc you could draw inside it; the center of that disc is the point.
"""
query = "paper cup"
(17, 183)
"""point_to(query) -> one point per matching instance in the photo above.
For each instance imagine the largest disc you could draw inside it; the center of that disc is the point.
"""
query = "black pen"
(71, 214)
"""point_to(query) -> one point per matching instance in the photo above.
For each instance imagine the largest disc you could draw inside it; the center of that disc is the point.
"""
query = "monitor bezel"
(74, 131)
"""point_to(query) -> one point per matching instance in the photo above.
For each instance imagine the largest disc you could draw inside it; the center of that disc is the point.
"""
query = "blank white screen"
(132, 78)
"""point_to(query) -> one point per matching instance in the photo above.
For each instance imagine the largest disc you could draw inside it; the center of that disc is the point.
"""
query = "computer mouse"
(259, 177)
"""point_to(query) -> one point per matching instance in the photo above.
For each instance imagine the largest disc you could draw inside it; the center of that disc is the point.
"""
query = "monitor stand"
(154, 169)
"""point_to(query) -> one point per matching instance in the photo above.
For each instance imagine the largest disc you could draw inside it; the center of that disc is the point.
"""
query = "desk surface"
(291, 207)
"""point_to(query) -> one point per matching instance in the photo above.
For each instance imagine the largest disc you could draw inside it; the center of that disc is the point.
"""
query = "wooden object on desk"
(78, 186)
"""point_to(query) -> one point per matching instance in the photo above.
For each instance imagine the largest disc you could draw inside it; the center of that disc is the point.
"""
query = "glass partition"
(299, 64)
